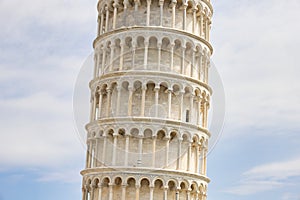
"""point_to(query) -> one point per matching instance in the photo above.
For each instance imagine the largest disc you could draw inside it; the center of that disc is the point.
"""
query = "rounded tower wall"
(189, 16)
(147, 137)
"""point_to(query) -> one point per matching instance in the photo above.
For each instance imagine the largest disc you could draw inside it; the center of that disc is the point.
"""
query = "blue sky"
(43, 45)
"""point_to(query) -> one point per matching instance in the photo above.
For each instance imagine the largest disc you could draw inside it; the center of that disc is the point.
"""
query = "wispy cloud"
(256, 51)
(41, 51)
(69, 176)
(267, 177)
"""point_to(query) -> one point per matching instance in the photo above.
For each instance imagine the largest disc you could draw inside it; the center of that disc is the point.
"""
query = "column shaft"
(119, 89)
(106, 19)
(143, 101)
(115, 5)
(153, 151)
(158, 56)
(104, 150)
(167, 152)
(173, 13)
(148, 13)
(100, 104)
(161, 4)
(115, 150)
(110, 197)
(101, 23)
(108, 103)
(130, 101)
(156, 89)
(146, 54)
(126, 150)
(169, 103)
(121, 56)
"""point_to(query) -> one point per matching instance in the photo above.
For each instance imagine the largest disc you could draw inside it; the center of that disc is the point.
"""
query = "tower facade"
(147, 137)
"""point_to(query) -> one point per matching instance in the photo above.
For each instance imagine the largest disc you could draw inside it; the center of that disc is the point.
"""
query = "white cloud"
(267, 177)
(40, 55)
(69, 176)
(256, 51)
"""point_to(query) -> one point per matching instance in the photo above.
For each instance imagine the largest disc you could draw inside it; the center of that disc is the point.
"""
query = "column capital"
(116, 4)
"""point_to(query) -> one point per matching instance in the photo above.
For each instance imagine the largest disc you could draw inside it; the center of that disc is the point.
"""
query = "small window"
(187, 116)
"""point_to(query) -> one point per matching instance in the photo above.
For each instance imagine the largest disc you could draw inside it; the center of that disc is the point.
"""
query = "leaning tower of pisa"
(147, 137)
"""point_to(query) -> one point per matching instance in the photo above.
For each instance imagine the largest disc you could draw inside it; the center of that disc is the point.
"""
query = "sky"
(43, 45)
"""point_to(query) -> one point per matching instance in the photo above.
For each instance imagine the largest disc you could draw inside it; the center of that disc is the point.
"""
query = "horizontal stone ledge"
(143, 73)
(146, 120)
(154, 29)
(144, 171)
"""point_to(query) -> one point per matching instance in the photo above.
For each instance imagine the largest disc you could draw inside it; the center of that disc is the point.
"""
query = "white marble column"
(92, 192)
(167, 151)
(130, 90)
(183, 60)
(112, 52)
(166, 192)
(110, 188)
(198, 111)
(91, 107)
(177, 193)
(119, 92)
(148, 12)
(108, 103)
(136, 6)
(95, 64)
(161, 6)
(103, 59)
(121, 55)
(126, 149)
(189, 157)
(201, 24)
(172, 56)
(123, 192)
(146, 53)
(181, 93)
(96, 151)
(87, 161)
(140, 150)
(115, 5)
(193, 65)
(133, 55)
(156, 90)
(115, 147)
(100, 191)
(90, 153)
(200, 66)
(137, 192)
(185, 5)
(125, 3)
(178, 166)
(174, 2)
(169, 102)
(101, 22)
(206, 69)
(104, 149)
(188, 194)
(144, 88)
(100, 103)
(205, 160)
(194, 19)
(191, 107)
(151, 192)
(106, 19)
(153, 151)
(159, 55)
(197, 158)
